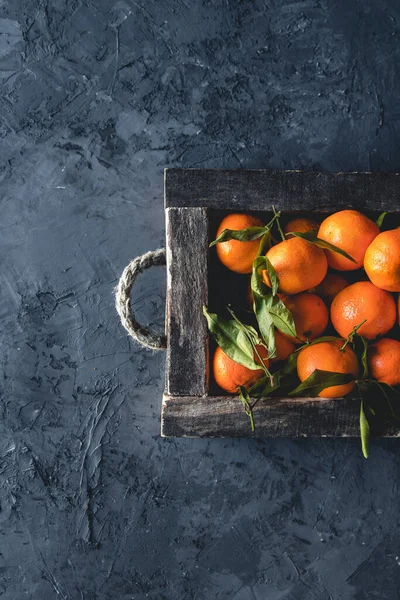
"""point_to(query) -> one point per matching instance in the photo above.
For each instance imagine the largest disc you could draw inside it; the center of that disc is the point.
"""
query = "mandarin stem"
(351, 335)
(277, 215)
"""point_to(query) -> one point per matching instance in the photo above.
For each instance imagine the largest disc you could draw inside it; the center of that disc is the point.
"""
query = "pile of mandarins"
(316, 287)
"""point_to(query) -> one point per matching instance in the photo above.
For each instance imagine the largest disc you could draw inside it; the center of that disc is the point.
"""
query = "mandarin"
(300, 224)
(284, 347)
(350, 231)
(328, 356)
(229, 374)
(382, 260)
(299, 265)
(235, 255)
(330, 287)
(310, 316)
(359, 301)
(384, 361)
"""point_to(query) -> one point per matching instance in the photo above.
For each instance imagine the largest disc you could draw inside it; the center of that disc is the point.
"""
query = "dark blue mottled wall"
(97, 98)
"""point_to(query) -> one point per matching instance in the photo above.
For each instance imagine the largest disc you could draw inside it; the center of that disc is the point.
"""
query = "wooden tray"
(190, 197)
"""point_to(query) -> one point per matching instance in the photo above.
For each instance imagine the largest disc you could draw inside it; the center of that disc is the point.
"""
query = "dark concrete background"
(97, 98)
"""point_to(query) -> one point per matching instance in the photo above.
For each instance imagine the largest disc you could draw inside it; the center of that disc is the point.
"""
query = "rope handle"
(123, 305)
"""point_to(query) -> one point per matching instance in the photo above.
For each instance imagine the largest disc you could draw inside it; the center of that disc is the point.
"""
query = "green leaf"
(364, 362)
(312, 237)
(283, 380)
(364, 431)
(232, 339)
(383, 400)
(319, 380)
(251, 333)
(265, 243)
(269, 309)
(380, 219)
(265, 323)
(261, 263)
(242, 235)
(264, 386)
(281, 316)
(246, 401)
(257, 282)
(392, 398)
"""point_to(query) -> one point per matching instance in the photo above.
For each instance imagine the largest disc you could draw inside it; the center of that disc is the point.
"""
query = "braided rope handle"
(123, 299)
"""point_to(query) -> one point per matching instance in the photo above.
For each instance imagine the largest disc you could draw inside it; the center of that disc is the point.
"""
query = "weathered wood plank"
(281, 417)
(244, 189)
(187, 291)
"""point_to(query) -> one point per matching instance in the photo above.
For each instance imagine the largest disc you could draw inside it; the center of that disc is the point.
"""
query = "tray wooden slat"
(187, 292)
(288, 190)
(223, 416)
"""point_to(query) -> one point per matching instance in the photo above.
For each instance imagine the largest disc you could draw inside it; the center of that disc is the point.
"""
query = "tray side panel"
(281, 417)
(187, 292)
(298, 191)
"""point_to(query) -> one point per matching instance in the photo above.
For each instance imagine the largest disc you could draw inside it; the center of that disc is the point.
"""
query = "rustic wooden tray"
(191, 196)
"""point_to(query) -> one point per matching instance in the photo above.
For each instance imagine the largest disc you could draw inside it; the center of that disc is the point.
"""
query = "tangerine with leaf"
(350, 231)
(300, 225)
(236, 255)
(299, 265)
(310, 316)
(335, 356)
(230, 375)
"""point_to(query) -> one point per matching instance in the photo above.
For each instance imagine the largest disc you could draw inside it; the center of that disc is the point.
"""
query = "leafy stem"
(351, 335)
(249, 233)
(364, 359)
(254, 341)
(248, 408)
(276, 216)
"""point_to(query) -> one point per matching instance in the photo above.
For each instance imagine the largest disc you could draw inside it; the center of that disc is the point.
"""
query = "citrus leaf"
(319, 380)
(281, 316)
(265, 243)
(232, 339)
(257, 283)
(246, 401)
(264, 386)
(383, 400)
(242, 235)
(364, 362)
(392, 398)
(312, 237)
(380, 219)
(283, 380)
(269, 309)
(261, 263)
(251, 333)
(265, 323)
(364, 431)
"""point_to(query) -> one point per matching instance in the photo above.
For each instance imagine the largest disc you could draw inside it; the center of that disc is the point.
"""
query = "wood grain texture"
(224, 416)
(244, 189)
(187, 292)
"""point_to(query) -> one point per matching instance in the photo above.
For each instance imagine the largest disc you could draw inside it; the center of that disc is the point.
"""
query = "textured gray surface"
(96, 99)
